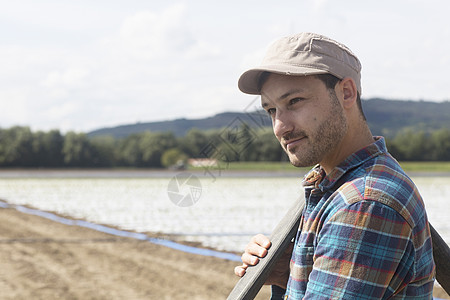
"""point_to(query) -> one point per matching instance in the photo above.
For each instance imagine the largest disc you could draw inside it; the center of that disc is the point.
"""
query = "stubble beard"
(323, 141)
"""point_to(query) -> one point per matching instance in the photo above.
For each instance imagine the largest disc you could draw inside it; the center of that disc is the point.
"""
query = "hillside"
(181, 126)
(385, 117)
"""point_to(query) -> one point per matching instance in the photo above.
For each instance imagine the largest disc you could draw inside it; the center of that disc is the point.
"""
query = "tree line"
(23, 148)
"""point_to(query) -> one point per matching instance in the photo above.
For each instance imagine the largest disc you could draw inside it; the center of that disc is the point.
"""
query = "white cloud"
(253, 59)
(61, 111)
(149, 35)
(72, 77)
(202, 50)
(318, 5)
(14, 107)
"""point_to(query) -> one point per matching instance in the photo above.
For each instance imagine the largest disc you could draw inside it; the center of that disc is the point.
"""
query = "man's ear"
(349, 92)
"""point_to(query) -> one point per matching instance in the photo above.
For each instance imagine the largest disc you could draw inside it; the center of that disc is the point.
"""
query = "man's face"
(308, 120)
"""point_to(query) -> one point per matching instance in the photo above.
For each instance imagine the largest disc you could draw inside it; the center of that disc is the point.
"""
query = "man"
(364, 232)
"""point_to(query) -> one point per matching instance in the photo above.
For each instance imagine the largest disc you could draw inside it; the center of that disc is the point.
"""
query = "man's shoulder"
(382, 179)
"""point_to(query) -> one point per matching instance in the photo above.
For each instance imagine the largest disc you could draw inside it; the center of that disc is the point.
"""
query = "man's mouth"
(292, 143)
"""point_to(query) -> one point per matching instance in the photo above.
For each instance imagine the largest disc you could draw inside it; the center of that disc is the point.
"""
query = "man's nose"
(282, 124)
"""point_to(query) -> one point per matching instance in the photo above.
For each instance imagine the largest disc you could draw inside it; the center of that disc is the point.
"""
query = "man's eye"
(295, 100)
(271, 111)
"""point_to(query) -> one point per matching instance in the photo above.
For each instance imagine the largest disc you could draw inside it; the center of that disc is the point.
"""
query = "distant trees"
(410, 145)
(47, 147)
(144, 149)
(440, 140)
(77, 150)
(20, 147)
(16, 147)
(173, 157)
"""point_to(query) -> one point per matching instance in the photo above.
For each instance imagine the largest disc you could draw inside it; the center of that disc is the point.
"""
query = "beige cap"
(304, 54)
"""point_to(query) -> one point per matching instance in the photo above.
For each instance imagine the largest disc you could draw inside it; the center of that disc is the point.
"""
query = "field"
(427, 166)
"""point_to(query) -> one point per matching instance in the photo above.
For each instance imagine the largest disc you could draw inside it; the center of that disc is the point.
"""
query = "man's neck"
(355, 140)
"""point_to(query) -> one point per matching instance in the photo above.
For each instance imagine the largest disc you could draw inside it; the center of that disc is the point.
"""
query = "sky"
(83, 65)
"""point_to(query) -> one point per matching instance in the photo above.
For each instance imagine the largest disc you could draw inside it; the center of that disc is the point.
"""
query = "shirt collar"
(316, 176)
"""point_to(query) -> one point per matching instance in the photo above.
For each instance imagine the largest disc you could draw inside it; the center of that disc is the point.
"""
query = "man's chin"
(300, 163)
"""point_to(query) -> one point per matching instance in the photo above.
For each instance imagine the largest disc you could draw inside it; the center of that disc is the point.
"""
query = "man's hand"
(256, 249)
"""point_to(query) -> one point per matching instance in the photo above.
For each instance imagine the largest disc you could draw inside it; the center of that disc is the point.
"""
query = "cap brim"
(249, 80)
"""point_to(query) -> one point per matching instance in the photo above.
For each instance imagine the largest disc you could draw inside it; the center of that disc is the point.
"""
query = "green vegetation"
(409, 145)
(408, 166)
(173, 157)
(236, 147)
(426, 166)
(272, 166)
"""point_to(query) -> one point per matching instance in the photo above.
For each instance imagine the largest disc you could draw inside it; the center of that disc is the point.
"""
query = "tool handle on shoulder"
(441, 255)
(249, 285)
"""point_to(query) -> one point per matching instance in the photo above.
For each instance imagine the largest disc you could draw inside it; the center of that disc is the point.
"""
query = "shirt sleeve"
(364, 251)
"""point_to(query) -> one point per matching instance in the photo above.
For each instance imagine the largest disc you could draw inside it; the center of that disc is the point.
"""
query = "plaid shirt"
(364, 233)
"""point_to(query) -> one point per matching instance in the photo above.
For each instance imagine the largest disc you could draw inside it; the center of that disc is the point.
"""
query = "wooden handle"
(250, 284)
(441, 254)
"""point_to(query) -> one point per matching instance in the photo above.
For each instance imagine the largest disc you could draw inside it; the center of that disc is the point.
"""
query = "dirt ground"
(41, 259)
